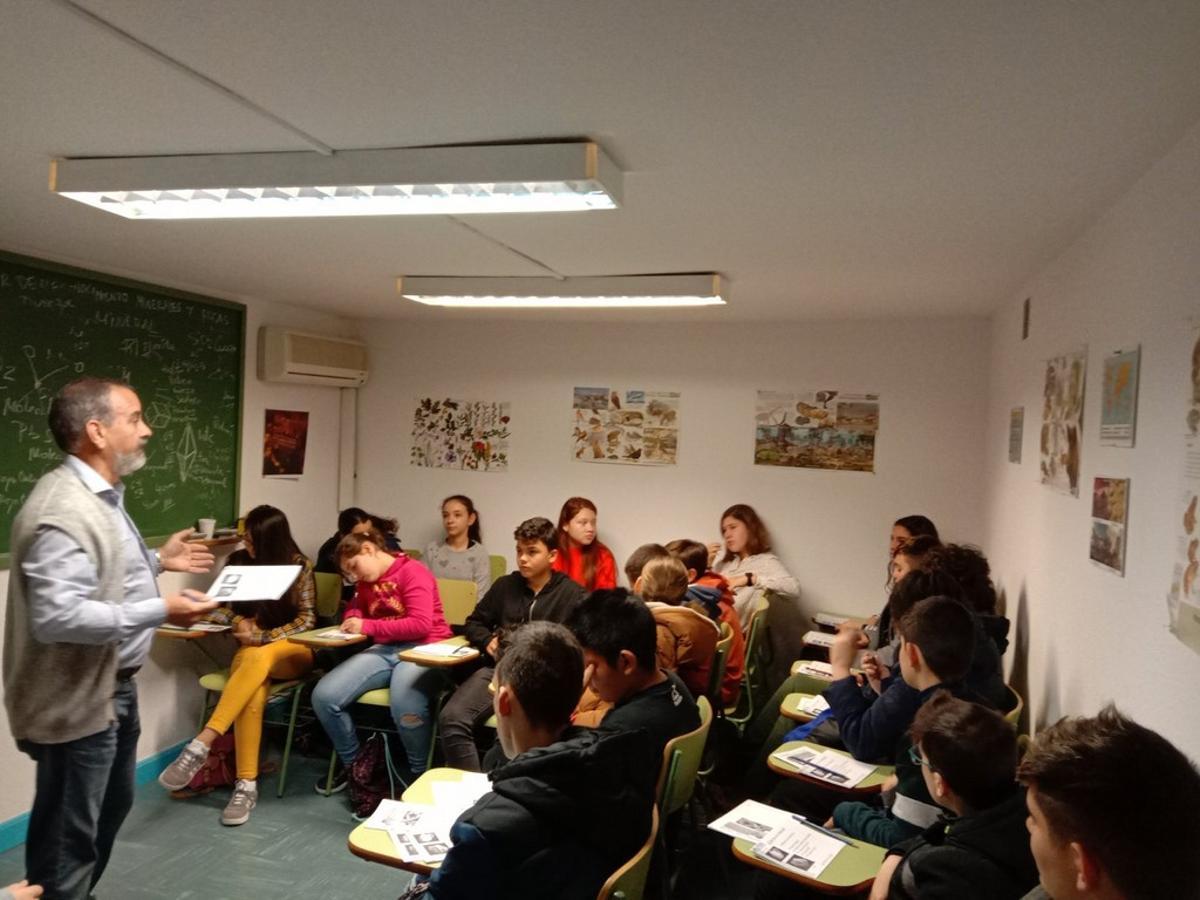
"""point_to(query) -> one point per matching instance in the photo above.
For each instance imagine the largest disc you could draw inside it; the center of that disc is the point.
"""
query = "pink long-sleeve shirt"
(401, 606)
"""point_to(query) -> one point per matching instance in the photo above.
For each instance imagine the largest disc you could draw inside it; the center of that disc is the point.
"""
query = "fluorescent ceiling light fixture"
(457, 180)
(596, 292)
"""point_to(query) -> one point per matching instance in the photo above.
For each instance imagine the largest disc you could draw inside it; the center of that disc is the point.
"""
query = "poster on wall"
(1183, 599)
(1062, 421)
(1016, 433)
(824, 429)
(1110, 514)
(625, 425)
(285, 439)
(1118, 411)
(460, 434)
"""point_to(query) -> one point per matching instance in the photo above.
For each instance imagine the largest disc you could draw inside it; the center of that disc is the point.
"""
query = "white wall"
(829, 527)
(1087, 635)
(170, 697)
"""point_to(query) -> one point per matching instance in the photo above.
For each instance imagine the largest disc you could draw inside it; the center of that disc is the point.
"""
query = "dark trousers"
(467, 707)
(84, 791)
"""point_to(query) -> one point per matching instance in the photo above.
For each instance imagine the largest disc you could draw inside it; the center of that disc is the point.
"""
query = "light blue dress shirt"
(62, 583)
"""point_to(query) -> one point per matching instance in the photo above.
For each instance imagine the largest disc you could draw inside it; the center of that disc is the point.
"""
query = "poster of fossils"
(625, 425)
(1183, 599)
(1110, 514)
(824, 429)
(1062, 421)
(460, 434)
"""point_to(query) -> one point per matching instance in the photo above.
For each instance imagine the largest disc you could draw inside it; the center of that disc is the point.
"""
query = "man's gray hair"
(78, 403)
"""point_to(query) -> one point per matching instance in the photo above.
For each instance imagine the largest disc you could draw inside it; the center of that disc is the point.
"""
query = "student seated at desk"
(686, 639)
(617, 633)
(261, 630)
(396, 604)
(968, 758)
(353, 520)
(568, 808)
(1112, 812)
(534, 591)
(936, 640)
(461, 554)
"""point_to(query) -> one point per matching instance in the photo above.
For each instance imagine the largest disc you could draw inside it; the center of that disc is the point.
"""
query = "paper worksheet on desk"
(800, 848)
(244, 583)
(826, 765)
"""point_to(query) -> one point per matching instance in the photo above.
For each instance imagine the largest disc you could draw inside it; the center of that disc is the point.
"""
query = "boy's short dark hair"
(1126, 794)
(972, 747)
(639, 557)
(612, 620)
(969, 567)
(944, 629)
(543, 664)
(537, 529)
(693, 554)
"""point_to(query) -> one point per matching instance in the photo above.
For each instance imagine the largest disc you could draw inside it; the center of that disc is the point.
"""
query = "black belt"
(127, 673)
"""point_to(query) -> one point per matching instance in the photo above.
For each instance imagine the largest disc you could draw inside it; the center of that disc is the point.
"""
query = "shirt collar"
(92, 480)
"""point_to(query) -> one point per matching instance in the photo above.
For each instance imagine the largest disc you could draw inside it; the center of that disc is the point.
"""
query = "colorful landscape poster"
(1062, 421)
(285, 440)
(625, 425)
(1183, 599)
(461, 434)
(824, 429)
(1110, 512)
(1118, 411)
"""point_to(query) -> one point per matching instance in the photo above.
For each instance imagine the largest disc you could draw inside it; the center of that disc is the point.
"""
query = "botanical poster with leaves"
(461, 434)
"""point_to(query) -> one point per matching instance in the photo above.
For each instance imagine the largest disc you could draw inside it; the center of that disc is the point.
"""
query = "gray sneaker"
(237, 810)
(179, 774)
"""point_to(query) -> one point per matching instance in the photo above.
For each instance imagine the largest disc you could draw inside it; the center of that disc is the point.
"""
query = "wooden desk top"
(315, 638)
(467, 654)
(872, 784)
(788, 708)
(851, 871)
(185, 634)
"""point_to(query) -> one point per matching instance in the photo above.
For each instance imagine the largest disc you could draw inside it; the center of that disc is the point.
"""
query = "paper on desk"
(197, 626)
(460, 796)
(798, 848)
(243, 583)
(818, 638)
(816, 668)
(751, 820)
(813, 706)
(337, 635)
(419, 832)
(835, 768)
(444, 648)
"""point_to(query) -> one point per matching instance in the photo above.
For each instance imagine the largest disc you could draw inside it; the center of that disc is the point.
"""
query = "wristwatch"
(750, 579)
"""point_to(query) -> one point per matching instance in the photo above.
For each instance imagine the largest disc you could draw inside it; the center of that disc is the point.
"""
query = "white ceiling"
(832, 159)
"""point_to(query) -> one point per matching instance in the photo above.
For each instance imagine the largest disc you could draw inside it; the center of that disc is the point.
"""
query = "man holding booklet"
(82, 607)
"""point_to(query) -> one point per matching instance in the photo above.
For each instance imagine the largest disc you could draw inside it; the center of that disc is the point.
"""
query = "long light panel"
(460, 180)
(596, 292)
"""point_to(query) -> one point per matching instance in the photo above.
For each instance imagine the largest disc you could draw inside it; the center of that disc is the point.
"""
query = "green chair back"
(629, 881)
(458, 599)
(329, 594)
(499, 566)
(1013, 716)
(681, 762)
(756, 632)
(720, 658)
(414, 554)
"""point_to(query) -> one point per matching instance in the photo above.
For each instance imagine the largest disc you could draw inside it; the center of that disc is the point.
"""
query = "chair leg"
(329, 774)
(287, 745)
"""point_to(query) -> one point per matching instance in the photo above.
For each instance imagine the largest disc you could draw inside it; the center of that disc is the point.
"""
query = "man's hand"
(352, 626)
(181, 555)
(879, 889)
(846, 644)
(186, 608)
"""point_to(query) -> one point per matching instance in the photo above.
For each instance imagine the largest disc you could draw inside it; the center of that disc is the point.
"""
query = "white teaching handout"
(244, 583)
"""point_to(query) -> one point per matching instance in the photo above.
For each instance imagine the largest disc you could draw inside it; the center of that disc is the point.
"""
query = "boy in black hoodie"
(568, 809)
(535, 591)
(968, 758)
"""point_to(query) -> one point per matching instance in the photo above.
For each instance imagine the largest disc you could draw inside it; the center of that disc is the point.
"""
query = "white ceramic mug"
(207, 527)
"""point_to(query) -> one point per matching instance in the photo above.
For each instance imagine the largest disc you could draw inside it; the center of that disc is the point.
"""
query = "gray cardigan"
(60, 692)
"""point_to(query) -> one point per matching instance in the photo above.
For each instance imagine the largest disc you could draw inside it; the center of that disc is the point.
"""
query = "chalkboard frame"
(161, 290)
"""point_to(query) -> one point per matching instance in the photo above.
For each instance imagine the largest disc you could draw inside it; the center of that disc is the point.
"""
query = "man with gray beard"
(82, 607)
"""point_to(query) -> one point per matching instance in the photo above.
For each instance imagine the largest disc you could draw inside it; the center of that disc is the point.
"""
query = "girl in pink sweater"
(396, 604)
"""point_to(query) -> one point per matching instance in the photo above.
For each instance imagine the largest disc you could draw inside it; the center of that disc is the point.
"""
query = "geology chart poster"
(824, 429)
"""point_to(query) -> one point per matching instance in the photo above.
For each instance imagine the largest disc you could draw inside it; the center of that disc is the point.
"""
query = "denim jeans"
(84, 790)
(410, 688)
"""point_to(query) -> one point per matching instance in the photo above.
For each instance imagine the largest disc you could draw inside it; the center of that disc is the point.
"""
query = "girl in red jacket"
(396, 604)
(581, 557)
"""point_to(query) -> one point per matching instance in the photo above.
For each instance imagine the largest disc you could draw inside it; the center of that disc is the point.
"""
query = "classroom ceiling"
(848, 160)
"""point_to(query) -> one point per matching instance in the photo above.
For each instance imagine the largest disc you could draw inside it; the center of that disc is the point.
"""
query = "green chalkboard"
(183, 355)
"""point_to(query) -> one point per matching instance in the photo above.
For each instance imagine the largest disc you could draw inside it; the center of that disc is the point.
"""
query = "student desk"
(317, 638)
(188, 636)
(464, 653)
(872, 784)
(789, 708)
(376, 846)
(851, 871)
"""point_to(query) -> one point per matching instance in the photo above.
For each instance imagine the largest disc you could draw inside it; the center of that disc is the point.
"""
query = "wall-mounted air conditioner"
(298, 356)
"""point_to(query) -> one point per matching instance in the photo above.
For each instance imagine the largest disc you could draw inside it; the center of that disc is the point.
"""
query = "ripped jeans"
(410, 689)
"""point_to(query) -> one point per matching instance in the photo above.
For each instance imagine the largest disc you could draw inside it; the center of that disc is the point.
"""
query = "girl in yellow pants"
(265, 654)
